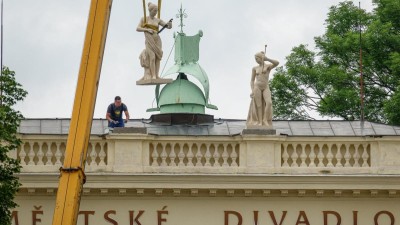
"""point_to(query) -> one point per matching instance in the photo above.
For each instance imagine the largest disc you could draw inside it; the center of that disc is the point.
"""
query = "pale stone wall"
(104, 210)
(221, 180)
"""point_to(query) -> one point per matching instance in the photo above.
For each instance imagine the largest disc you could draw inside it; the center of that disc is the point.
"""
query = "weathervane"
(180, 15)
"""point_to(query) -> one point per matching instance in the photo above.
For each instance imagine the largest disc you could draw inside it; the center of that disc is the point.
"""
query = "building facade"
(310, 172)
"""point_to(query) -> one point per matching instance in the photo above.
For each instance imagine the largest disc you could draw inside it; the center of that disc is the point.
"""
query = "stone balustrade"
(164, 154)
(222, 155)
(326, 155)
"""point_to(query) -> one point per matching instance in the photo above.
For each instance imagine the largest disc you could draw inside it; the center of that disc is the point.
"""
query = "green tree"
(327, 80)
(11, 92)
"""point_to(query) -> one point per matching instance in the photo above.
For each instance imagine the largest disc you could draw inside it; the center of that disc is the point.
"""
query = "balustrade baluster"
(49, 155)
(22, 153)
(102, 154)
(154, 156)
(365, 156)
(285, 156)
(312, 156)
(208, 156)
(172, 155)
(40, 154)
(58, 154)
(216, 156)
(190, 156)
(181, 155)
(320, 156)
(329, 156)
(234, 156)
(199, 156)
(31, 154)
(356, 156)
(93, 155)
(163, 154)
(347, 156)
(225, 156)
(294, 156)
(303, 156)
(339, 156)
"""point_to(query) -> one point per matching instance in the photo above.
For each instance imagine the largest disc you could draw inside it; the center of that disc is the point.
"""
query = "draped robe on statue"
(151, 55)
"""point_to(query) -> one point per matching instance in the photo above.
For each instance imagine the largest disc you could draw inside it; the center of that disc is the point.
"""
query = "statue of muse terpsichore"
(151, 56)
(260, 112)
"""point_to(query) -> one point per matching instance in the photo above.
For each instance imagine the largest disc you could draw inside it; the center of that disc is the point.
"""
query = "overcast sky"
(43, 41)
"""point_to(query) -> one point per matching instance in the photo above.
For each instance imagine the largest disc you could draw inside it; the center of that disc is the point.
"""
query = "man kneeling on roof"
(114, 113)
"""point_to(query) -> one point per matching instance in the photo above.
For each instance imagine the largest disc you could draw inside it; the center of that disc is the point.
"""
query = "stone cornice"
(222, 185)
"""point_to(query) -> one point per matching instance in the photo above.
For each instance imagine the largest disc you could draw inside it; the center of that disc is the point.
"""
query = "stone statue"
(151, 56)
(260, 112)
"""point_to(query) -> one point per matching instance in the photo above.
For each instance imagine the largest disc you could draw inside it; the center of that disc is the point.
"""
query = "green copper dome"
(182, 96)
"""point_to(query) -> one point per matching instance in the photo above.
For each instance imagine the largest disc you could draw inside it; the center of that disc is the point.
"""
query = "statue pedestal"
(258, 130)
(130, 130)
(153, 81)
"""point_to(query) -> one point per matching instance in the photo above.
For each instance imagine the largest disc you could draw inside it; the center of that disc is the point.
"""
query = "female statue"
(151, 56)
(260, 112)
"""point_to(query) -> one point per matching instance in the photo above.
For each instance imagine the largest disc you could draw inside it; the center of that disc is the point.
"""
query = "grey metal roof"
(221, 127)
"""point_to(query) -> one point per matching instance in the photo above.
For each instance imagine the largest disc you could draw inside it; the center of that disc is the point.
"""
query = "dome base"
(182, 119)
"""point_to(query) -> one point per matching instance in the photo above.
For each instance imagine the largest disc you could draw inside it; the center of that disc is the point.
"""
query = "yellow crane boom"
(72, 174)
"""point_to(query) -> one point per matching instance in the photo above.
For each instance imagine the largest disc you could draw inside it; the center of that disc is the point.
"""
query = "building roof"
(221, 127)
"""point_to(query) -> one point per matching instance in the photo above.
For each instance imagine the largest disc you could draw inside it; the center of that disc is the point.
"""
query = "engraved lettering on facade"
(107, 217)
(133, 219)
(86, 215)
(238, 216)
(272, 215)
(302, 219)
(391, 217)
(334, 213)
(255, 217)
(14, 216)
(35, 214)
(160, 214)
(355, 217)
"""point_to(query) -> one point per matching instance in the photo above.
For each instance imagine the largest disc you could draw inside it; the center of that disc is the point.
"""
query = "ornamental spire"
(181, 14)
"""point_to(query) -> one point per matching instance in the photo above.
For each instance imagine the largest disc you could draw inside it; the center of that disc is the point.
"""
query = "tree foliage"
(11, 93)
(327, 80)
